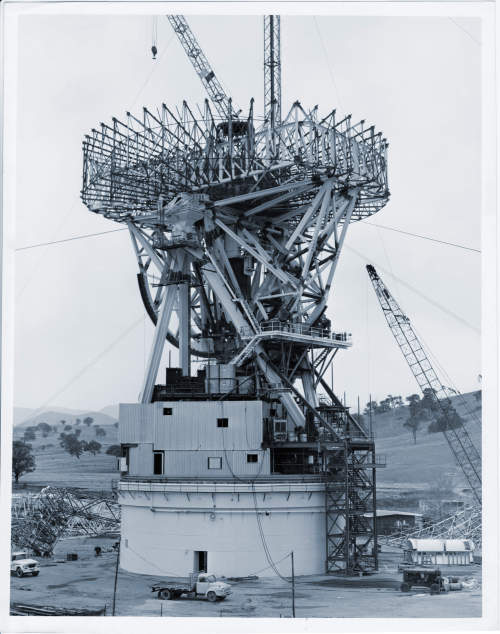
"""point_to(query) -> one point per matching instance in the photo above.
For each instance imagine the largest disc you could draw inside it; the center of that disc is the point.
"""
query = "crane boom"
(205, 72)
(458, 438)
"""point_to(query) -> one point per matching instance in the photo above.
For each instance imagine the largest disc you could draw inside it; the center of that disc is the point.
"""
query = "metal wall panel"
(195, 463)
(141, 459)
(136, 423)
(193, 425)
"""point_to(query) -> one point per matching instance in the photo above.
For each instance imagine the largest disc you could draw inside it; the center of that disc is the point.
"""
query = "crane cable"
(154, 37)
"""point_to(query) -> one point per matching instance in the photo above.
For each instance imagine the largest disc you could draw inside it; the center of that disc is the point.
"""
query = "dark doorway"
(200, 560)
(158, 462)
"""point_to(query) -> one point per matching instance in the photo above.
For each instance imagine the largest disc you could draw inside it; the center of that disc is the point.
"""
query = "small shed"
(390, 522)
(440, 552)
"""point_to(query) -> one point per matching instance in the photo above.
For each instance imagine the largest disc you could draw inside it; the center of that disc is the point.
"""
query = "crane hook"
(154, 50)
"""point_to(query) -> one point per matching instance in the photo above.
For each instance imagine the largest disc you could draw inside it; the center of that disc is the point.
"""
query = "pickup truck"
(21, 565)
(201, 585)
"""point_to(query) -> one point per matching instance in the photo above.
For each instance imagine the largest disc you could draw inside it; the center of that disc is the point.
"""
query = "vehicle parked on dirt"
(201, 585)
(424, 578)
(21, 565)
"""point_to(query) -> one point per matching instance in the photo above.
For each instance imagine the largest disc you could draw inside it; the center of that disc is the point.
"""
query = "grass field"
(55, 467)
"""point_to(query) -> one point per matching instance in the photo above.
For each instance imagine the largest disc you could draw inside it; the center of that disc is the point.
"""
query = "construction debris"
(38, 521)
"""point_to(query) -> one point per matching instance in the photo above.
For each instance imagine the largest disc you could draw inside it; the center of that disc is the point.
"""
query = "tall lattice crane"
(455, 432)
(272, 69)
(216, 92)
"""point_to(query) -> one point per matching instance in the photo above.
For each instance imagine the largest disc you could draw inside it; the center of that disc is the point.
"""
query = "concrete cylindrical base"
(173, 528)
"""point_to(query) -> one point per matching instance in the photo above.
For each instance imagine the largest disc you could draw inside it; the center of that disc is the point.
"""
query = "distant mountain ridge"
(54, 417)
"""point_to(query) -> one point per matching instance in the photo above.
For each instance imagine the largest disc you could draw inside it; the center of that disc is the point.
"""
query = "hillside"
(426, 467)
(55, 417)
(413, 471)
(57, 468)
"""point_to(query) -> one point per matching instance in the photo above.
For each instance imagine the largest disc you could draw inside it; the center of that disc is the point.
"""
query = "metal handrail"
(297, 329)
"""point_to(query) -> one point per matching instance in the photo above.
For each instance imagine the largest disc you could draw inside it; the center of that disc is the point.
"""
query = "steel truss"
(350, 496)
(464, 524)
(39, 521)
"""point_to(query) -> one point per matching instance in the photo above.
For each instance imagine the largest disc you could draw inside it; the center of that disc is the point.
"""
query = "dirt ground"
(88, 583)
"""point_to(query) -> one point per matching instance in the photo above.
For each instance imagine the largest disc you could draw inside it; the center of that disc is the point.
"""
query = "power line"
(416, 235)
(328, 63)
(371, 224)
(465, 31)
(416, 291)
(89, 365)
(87, 235)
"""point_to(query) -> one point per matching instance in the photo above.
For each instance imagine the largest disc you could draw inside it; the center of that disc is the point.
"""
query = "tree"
(429, 402)
(68, 428)
(30, 433)
(449, 419)
(413, 424)
(371, 405)
(398, 401)
(62, 422)
(78, 421)
(100, 432)
(93, 447)
(78, 432)
(114, 450)
(88, 420)
(44, 428)
(71, 444)
(23, 460)
(384, 406)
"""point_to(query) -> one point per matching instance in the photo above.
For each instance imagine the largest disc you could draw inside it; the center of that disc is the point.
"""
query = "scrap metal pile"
(38, 521)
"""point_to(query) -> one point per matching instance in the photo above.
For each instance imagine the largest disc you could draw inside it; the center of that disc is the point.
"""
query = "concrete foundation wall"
(164, 524)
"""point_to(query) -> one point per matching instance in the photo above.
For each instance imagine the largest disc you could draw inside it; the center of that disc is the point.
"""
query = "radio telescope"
(237, 222)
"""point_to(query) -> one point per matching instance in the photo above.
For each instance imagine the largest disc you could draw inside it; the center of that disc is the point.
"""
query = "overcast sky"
(417, 79)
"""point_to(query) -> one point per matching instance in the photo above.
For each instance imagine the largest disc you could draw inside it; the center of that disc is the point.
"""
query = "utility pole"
(116, 578)
(293, 587)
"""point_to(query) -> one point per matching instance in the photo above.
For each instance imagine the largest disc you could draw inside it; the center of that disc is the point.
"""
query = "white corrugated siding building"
(440, 552)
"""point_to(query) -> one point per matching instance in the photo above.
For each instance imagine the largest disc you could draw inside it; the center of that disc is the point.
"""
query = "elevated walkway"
(293, 333)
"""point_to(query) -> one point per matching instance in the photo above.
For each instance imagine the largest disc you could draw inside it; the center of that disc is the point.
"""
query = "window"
(222, 422)
(158, 462)
(215, 463)
(252, 457)
(272, 412)
(167, 411)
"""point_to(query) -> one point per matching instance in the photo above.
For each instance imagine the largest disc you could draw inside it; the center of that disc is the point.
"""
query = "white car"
(21, 565)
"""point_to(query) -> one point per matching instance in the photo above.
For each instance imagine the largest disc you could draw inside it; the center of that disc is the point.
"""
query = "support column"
(158, 343)
(233, 313)
(185, 321)
(308, 385)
